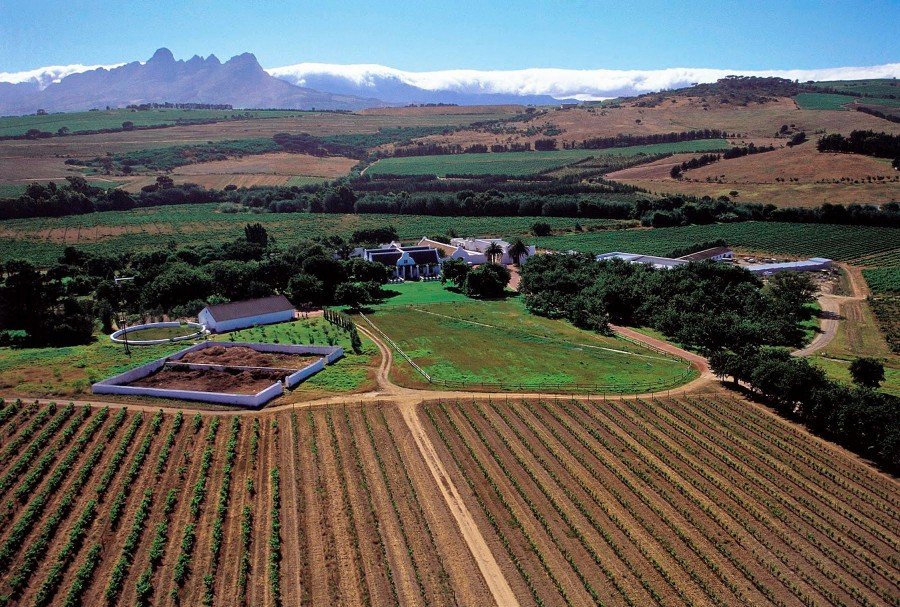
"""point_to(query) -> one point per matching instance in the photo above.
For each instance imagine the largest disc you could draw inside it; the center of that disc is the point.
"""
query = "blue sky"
(480, 34)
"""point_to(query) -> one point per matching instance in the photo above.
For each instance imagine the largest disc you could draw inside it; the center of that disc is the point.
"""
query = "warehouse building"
(814, 264)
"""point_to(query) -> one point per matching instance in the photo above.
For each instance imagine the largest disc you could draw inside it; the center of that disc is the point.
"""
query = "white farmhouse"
(249, 313)
(472, 246)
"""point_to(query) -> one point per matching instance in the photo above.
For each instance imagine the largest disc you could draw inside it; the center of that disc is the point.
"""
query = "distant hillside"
(240, 82)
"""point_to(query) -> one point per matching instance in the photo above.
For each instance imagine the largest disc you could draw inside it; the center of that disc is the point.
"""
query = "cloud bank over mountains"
(557, 83)
(553, 82)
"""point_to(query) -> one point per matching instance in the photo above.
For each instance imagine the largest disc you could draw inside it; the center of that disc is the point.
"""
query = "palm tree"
(517, 250)
(493, 251)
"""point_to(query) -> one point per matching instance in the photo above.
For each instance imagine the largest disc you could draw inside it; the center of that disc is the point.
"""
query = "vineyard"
(699, 500)
(867, 245)
(523, 163)
(42, 240)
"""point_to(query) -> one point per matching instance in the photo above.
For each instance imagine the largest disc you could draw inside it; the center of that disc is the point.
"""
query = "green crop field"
(500, 342)
(879, 86)
(830, 101)
(113, 119)
(42, 240)
(883, 280)
(420, 293)
(523, 163)
(839, 242)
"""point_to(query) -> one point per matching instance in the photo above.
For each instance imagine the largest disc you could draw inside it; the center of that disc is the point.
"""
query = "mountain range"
(243, 83)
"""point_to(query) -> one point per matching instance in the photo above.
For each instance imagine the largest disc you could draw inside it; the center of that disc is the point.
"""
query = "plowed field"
(697, 500)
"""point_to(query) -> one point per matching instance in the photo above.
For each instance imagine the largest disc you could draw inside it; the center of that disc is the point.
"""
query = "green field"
(831, 101)
(878, 86)
(42, 240)
(113, 119)
(883, 280)
(839, 242)
(500, 343)
(839, 370)
(419, 293)
(523, 163)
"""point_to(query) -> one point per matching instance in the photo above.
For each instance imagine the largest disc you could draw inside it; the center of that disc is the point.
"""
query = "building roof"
(424, 255)
(446, 248)
(249, 307)
(388, 257)
(706, 254)
(650, 260)
(813, 263)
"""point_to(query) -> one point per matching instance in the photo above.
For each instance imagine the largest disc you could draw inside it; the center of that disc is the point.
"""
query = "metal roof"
(249, 307)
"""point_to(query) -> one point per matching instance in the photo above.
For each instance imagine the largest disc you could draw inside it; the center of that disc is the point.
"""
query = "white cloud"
(560, 83)
(44, 76)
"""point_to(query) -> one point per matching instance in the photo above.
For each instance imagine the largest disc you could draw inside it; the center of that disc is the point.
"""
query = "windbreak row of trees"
(859, 418)
(869, 143)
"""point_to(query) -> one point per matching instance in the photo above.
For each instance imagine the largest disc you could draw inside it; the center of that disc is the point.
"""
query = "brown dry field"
(677, 114)
(703, 499)
(809, 177)
(280, 163)
(44, 159)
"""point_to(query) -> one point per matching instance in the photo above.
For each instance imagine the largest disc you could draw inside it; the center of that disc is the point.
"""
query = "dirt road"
(832, 306)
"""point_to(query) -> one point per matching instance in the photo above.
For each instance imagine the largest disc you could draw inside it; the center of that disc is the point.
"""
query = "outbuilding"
(248, 313)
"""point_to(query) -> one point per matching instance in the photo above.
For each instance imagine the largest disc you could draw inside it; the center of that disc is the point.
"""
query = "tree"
(541, 228)
(517, 250)
(305, 289)
(128, 125)
(493, 251)
(351, 294)
(487, 281)
(256, 234)
(867, 372)
(454, 270)
(339, 200)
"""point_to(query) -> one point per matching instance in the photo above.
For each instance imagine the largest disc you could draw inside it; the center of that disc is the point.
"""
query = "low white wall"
(223, 398)
(295, 378)
(250, 321)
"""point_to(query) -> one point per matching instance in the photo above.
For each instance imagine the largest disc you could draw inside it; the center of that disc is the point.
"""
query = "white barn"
(250, 313)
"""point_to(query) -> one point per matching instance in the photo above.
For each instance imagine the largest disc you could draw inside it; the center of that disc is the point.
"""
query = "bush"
(487, 281)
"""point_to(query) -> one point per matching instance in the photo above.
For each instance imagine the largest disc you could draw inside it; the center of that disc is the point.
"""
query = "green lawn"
(839, 370)
(500, 342)
(420, 293)
(523, 163)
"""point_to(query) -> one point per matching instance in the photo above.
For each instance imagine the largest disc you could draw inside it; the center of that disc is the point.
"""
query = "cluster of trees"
(487, 281)
(869, 143)
(622, 141)
(859, 418)
(708, 306)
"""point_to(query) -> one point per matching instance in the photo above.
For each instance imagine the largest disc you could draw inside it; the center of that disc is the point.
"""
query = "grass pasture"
(523, 163)
(499, 342)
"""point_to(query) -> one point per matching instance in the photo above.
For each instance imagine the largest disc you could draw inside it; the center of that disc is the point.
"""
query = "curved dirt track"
(831, 311)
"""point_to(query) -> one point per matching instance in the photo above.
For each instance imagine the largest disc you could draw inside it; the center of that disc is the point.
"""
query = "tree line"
(869, 143)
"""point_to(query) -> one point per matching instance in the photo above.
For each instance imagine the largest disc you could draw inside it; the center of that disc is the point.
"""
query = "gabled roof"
(388, 257)
(424, 255)
(249, 307)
